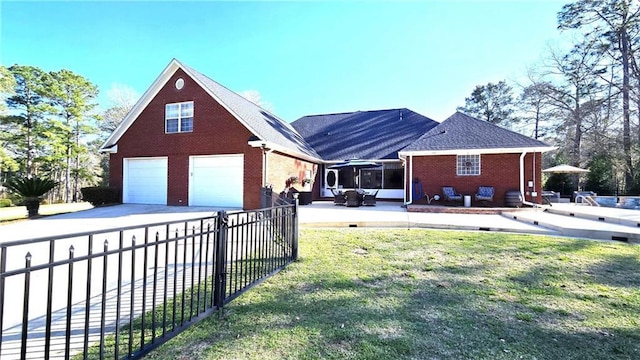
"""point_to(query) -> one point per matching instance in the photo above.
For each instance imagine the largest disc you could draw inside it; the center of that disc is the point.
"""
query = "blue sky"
(302, 57)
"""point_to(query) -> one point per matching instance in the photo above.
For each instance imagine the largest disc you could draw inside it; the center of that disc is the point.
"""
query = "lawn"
(423, 294)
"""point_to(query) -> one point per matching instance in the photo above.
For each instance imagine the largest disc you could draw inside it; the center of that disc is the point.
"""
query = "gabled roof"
(268, 129)
(462, 133)
(362, 134)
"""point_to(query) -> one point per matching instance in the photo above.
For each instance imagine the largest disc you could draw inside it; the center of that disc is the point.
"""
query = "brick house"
(465, 152)
(191, 141)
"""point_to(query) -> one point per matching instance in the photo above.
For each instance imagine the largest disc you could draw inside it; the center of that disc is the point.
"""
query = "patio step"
(578, 224)
(613, 216)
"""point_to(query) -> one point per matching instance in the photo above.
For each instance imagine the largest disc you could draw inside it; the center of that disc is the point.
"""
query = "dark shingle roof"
(362, 134)
(460, 131)
(266, 126)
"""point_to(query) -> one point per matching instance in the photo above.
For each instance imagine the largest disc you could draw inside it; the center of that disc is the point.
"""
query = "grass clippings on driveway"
(422, 294)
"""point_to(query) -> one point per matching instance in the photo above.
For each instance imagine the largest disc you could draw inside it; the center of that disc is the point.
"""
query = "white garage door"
(216, 180)
(145, 181)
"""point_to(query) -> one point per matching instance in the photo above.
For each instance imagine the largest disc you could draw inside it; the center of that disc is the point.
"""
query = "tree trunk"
(537, 120)
(67, 175)
(77, 166)
(33, 206)
(626, 128)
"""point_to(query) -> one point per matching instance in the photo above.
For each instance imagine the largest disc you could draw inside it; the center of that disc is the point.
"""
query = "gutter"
(113, 149)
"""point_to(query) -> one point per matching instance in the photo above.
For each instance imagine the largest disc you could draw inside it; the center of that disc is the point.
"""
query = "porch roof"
(463, 133)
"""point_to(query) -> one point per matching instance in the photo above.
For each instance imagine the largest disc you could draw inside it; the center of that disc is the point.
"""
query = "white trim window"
(178, 117)
(468, 165)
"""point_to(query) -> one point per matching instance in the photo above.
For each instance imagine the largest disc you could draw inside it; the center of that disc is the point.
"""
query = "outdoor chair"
(338, 197)
(369, 199)
(353, 198)
(549, 197)
(485, 193)
(449, 194)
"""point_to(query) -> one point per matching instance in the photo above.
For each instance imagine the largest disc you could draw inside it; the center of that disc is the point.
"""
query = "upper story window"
(468, 165)
(178, 117)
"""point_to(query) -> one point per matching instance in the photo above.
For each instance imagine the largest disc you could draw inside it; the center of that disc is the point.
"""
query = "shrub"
(100, 195)
(5, 203)
(31, 188)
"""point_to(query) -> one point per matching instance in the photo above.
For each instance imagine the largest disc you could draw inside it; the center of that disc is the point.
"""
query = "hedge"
(100, 195)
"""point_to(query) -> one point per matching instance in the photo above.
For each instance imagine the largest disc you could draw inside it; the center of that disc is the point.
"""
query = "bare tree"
(613, 22)
(573, 82)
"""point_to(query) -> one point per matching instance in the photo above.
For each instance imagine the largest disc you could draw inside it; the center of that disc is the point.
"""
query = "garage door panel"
(216, 181)
(145, 181)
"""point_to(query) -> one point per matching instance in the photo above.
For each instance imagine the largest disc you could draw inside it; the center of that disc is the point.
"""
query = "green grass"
(421, 294)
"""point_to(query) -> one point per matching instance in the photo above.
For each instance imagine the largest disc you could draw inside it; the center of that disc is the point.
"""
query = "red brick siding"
(502, 171)
(281, 167)
(215, 131)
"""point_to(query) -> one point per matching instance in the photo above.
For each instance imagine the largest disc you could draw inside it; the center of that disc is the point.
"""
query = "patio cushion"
(485, 193)
(450, 194)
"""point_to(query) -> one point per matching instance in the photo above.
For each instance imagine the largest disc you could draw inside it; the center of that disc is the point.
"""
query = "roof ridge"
(244, 98)
(498, 125)
(357, 111)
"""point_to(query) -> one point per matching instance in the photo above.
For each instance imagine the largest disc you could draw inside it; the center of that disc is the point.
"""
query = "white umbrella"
(565, 169)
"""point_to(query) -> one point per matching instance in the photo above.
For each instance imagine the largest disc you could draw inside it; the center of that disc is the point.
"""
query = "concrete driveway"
(101, 218)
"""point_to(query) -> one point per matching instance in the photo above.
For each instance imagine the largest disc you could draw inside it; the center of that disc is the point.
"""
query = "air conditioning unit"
(331, 179)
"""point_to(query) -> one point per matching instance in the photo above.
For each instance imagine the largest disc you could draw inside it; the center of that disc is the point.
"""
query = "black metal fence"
(119, 293)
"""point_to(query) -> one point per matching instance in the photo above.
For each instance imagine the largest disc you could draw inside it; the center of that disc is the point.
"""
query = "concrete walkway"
(392, 214)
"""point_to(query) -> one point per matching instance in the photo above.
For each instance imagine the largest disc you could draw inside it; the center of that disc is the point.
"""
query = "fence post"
(294, 246)
(3, 269)
(220, 275)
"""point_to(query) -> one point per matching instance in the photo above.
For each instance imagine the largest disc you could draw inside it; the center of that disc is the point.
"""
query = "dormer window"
(178, 117)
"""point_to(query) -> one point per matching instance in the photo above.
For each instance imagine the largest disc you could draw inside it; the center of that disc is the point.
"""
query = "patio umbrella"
(566, 169)
(355, 164)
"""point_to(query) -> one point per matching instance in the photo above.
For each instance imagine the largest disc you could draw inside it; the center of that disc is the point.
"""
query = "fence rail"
(120, 293)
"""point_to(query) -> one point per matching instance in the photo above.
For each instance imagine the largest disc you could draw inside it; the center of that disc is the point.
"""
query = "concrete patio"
(560, 220)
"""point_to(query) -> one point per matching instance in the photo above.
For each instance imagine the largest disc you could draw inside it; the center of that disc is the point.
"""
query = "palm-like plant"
(32, 190)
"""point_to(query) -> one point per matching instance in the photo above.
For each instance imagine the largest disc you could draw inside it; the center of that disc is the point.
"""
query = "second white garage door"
(216, 180)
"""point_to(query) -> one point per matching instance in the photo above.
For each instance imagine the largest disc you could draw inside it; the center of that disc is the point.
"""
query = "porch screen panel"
(393, 176)
(371, 178)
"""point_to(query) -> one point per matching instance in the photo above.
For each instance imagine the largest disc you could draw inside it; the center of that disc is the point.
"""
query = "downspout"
(409, 176)
(522, 180)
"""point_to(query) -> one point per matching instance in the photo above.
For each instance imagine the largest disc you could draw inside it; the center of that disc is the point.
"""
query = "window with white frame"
(468, 165)
(178, 117)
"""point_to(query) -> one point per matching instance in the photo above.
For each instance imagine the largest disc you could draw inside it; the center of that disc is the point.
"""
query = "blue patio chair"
(449, 194)
(485, 193)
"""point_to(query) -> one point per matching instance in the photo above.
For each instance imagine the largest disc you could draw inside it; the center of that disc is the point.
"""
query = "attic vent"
(179, 84)
(400, 114)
